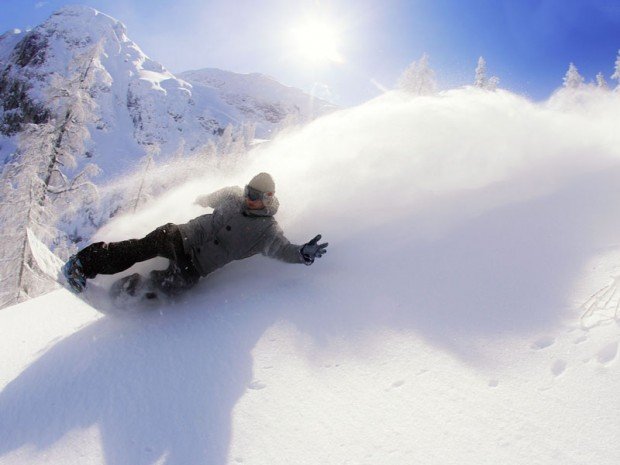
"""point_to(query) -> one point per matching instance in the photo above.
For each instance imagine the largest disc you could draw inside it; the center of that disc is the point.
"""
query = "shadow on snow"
(166, 384)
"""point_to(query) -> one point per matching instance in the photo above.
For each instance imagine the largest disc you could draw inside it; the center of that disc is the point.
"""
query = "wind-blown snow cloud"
(469, 189)
(396, 156)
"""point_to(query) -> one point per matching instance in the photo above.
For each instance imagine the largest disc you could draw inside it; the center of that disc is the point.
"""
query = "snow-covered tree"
(40, 185)
(418, 78)
(226, 139)
(481, 74)
(601, 83)
(616, 74)
(25, 204)
(493, 83)
(238, 145)
(146, 165)
(481, 81)
(249, 133)
(71, 101)
(572, 78)
(209, 150)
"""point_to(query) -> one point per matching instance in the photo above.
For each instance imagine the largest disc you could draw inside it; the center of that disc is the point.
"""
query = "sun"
(316, 41)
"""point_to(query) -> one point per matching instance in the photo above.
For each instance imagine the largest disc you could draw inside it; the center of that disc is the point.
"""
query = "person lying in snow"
(241, 225)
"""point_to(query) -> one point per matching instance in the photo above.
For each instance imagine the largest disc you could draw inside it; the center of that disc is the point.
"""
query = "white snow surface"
(467, 232)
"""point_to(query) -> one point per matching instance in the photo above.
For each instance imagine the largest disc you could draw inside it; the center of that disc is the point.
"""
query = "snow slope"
(443, 327)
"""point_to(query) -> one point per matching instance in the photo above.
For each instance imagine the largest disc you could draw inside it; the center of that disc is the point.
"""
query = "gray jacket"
(233, 232)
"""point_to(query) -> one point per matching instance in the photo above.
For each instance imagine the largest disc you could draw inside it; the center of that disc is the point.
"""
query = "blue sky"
(528, 44)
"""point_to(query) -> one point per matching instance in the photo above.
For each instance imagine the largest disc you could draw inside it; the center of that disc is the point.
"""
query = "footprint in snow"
(257, 385)
(397, 384)
(580, 339)
(493, 383)
(543, 343)
(558, 367)
(608, 353)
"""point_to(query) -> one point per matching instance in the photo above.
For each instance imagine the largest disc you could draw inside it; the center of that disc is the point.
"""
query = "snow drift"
(443, 326)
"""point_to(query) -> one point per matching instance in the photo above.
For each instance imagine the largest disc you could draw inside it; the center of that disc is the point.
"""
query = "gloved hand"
(312, 250)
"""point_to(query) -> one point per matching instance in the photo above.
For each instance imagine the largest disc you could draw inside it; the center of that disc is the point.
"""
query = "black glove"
(312, 250)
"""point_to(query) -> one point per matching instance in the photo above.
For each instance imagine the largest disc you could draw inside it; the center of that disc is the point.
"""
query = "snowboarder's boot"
(128, 285)
(133, 286)
(74, 274)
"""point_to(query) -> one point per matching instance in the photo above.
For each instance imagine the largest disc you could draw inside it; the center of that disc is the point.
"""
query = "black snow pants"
(165, 241)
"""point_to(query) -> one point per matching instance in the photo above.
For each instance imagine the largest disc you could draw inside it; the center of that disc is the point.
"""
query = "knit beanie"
(263, 182)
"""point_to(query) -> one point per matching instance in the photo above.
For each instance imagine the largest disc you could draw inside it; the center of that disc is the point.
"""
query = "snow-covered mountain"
(466, 313)
(253, 97)
(127, 101)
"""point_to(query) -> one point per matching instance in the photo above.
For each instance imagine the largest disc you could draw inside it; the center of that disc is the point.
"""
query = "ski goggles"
(255, 194)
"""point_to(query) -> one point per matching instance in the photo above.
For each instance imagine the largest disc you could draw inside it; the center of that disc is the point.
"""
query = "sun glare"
(316, 41)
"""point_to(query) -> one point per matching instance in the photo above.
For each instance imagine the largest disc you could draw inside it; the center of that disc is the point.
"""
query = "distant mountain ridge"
(255, 97)
(134, 103)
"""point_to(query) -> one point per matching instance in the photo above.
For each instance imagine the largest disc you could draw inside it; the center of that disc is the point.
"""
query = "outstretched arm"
(216, 198)
(281, 248)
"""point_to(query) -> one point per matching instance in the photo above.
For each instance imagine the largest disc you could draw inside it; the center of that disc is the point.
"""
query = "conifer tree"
(616, 74)
(25, 205)
(249, 133)
(480, 80)
(572, 78)
(418, 78)
(147, 163)
(226, 140)
(493, 83)
(601, 83)
(209, 150)
(38, 184)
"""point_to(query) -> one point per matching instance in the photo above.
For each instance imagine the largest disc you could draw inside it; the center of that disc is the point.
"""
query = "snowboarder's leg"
(114, 257)
(174, 280)
(179, 276)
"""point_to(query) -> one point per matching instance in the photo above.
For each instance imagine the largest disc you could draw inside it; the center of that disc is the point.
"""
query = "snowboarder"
(241, 225)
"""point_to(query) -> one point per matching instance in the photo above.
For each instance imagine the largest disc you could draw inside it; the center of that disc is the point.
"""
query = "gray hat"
(263, 182)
